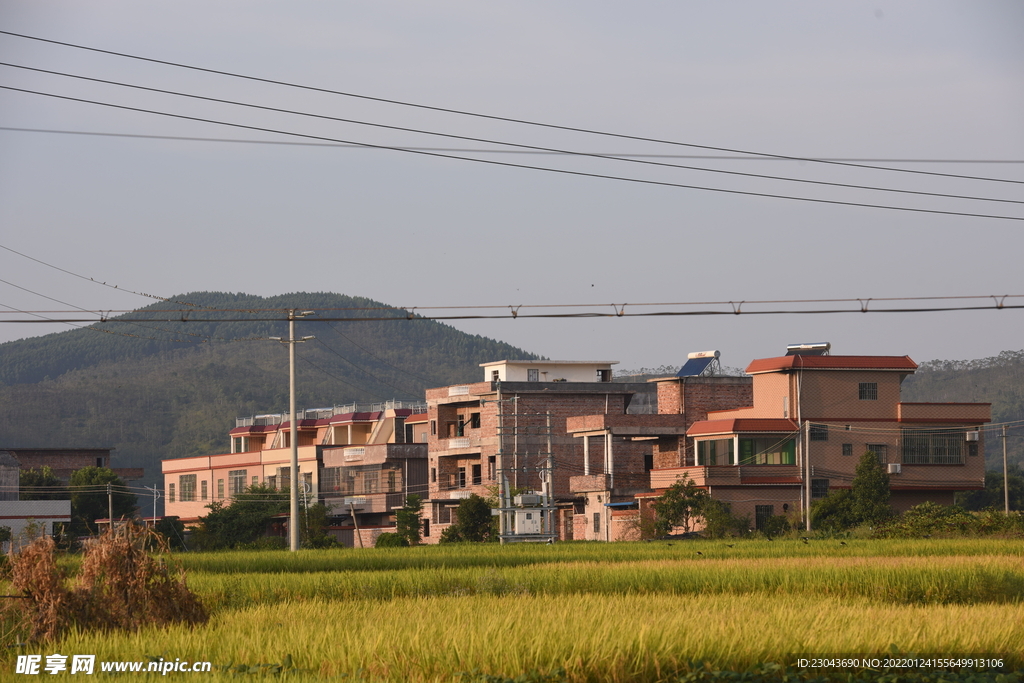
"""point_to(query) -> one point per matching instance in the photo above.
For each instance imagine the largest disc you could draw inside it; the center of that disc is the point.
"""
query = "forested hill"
(155, 390)
(998, 380)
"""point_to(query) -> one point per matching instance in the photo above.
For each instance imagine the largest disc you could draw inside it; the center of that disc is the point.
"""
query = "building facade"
(811, 418)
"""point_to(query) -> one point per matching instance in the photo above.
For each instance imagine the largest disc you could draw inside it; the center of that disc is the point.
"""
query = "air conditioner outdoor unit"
(972, 436)
(895, 468)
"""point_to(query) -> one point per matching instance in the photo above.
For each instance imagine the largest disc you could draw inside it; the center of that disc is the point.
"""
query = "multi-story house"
(336, 446)
(811, 417)
(511, 430)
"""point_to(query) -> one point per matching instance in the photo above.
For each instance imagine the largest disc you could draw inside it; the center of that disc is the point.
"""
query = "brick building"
(811, 418)
(512, 427)
(64, 461)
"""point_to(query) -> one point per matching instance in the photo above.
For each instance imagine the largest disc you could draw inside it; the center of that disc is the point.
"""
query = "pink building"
(332, 443)
(812, 417)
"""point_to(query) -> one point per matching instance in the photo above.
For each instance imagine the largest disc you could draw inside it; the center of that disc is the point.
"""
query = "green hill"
(156, 390)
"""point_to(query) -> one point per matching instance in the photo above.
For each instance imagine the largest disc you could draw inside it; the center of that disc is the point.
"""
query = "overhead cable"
(535, 148)
(493, 162)
(484, 116)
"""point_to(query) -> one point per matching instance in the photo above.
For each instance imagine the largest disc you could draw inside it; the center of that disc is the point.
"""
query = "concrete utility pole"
(293, 518)
(156, 496)
(1006, 477)
(110, 503)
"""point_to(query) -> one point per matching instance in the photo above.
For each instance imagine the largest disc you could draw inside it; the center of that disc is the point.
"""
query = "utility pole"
(156, 495)
(1006, 477)
(293, 519)
(807, 476)
(110, 504)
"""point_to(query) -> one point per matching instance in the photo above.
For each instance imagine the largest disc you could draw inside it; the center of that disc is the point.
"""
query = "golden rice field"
(599, 612)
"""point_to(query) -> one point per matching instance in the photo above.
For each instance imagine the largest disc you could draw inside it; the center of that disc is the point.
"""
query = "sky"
(335, 205)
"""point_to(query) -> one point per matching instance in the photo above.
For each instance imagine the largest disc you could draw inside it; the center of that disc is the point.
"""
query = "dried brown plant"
(127, 581)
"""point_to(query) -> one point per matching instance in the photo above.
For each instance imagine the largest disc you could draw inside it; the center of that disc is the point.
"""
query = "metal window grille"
(236, 481)
(819, 488)
(762, 514)
(933, 447)
(187, 484)
(881, 451)
(868, 391)
(819, 432)
(847, 449)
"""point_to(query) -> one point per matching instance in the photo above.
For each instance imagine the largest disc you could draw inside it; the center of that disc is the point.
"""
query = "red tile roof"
(742, 424)
(903, 363)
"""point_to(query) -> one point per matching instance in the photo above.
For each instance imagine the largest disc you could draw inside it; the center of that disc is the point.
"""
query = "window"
(187, 482)
(819, 488)
(648, 462)
(819, 432)
(868, 391)
(330, 479)
(170, 493)
(371, 482)
(236, 482)
(220, 488)
(204, 485)
(532, 375)
(495, 377)
(255, 481)
(847, 449)
(716, 452)
(392, 481)
(272, 481)
(604, 375)
(433, 427)
(933, 447)
(284, 478)
(972, 449)
(767, 450)
(881, 450)
(477, 476)
(99, 462)
(762, 515)
(597, 522)
(491, 466)
(474, 420)
(462, 478)
(433, 475)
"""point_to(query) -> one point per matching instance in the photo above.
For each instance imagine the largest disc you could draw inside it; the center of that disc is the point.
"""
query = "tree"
(173, 532)
(407, 520)
(315, 520)
(869, 493)
(992, 495)
(89, 500)
(42, 484)
(866, 501)
(682, 505)
(474, 522)
(244, 520)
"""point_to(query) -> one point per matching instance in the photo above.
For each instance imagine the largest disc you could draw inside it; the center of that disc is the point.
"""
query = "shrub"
(390, 540)
(120, 587)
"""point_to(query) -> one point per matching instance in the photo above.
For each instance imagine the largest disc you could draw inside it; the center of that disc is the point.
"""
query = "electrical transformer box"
(528, 522)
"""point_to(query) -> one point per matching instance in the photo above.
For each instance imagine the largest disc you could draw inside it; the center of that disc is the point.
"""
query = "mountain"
(155, 389)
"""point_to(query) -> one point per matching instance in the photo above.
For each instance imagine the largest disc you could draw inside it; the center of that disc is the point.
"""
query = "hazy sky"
(892, 81)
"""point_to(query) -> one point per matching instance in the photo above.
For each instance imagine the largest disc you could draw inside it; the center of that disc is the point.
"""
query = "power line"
(93, 280)
(479, 115)
(535, 148)
(523, 166)
(477, 150)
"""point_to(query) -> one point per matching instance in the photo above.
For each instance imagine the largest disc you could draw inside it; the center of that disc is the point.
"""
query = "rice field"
(590, 612)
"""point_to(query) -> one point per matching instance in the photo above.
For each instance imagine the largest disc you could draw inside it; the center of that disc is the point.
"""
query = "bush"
(390, 540)
(934, 519)
(120, 586)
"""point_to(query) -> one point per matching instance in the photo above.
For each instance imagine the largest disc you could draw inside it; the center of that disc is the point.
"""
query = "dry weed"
(121, 586)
